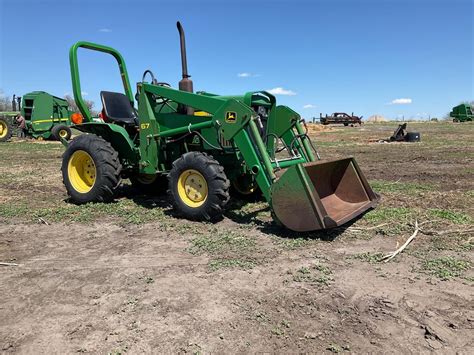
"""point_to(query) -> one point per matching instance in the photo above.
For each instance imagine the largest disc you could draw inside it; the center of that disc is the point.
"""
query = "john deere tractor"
(197, 145)
(7, 119)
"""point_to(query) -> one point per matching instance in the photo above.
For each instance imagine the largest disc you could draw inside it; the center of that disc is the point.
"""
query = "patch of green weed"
(318, 273)
(452, 216)
(446, 267)
(12, 210)
(336, 348)
(218, 264)
(368, 257)
(125, 210)
(293, 243)
(383, 214)
(401, 187)
(217, 241)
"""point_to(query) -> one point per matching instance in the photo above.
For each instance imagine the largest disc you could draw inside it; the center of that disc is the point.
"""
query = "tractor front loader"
(197, 144)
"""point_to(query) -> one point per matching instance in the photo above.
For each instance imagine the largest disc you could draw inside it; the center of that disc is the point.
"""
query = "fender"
(117, 136)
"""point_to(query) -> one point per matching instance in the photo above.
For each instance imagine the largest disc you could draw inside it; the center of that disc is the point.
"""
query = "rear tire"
(198, 187)
(6, 129)
(91, 169)
(61, 131)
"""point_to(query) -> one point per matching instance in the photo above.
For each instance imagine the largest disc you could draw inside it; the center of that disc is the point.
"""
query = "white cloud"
(281, 91)
(105, 30)
(309, 106)
(247, 75)
(401, 101)
(83, 93)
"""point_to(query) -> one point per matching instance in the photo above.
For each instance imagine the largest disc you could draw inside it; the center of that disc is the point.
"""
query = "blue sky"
(392, 57)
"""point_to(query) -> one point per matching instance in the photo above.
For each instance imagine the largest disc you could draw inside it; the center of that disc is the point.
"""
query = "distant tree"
(73, 106)
(5, 102)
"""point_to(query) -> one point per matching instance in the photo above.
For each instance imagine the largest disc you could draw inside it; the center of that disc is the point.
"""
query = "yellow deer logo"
(230, 117)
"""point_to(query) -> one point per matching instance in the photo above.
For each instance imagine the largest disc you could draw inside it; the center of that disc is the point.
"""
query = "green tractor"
(46, 117)
(7, 119)
(197, 145)
(462, 113)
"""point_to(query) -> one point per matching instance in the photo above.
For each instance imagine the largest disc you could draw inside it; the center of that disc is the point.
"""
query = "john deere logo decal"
(230, 117)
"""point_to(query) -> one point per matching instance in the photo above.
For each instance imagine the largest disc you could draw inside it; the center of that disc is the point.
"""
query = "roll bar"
(76, 82)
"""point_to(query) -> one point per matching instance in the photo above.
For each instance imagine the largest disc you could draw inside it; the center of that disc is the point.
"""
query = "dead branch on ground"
(391, 255)
(8, 264)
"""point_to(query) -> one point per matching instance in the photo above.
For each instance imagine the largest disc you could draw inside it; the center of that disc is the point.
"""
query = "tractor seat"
(118, 109)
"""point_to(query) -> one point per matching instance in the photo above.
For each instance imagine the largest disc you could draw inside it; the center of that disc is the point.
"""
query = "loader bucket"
(321, 195)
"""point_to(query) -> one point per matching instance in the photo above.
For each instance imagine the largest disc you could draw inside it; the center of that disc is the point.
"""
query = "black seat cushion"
(118, 108)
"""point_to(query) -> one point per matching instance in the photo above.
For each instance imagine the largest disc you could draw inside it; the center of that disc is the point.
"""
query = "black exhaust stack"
(185, 84)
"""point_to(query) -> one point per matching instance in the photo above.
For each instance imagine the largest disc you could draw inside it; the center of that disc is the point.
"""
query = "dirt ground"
(131, 277)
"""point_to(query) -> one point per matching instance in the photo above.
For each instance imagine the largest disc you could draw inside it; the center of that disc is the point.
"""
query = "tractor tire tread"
(9, 129)
(218, 186)
(108, 167)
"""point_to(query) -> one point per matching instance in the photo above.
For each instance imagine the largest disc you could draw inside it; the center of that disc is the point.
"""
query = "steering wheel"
(153, 82)
(153, 79)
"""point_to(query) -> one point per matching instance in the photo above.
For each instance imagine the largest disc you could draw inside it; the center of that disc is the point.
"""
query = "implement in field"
(197, 144)
(462, 113)
(340, 118)
(46, 117)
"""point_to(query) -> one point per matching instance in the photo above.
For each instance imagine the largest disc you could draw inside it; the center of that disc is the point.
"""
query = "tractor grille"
(224, 142)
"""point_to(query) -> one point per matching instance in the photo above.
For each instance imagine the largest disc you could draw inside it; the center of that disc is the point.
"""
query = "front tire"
(6, 130)
(198, 187)
(91, 169)
(61, 131)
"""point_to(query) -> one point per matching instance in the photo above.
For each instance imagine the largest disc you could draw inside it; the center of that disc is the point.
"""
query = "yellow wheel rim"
(81, 171)
(63, 133)
(192, 188)
(3, 129)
